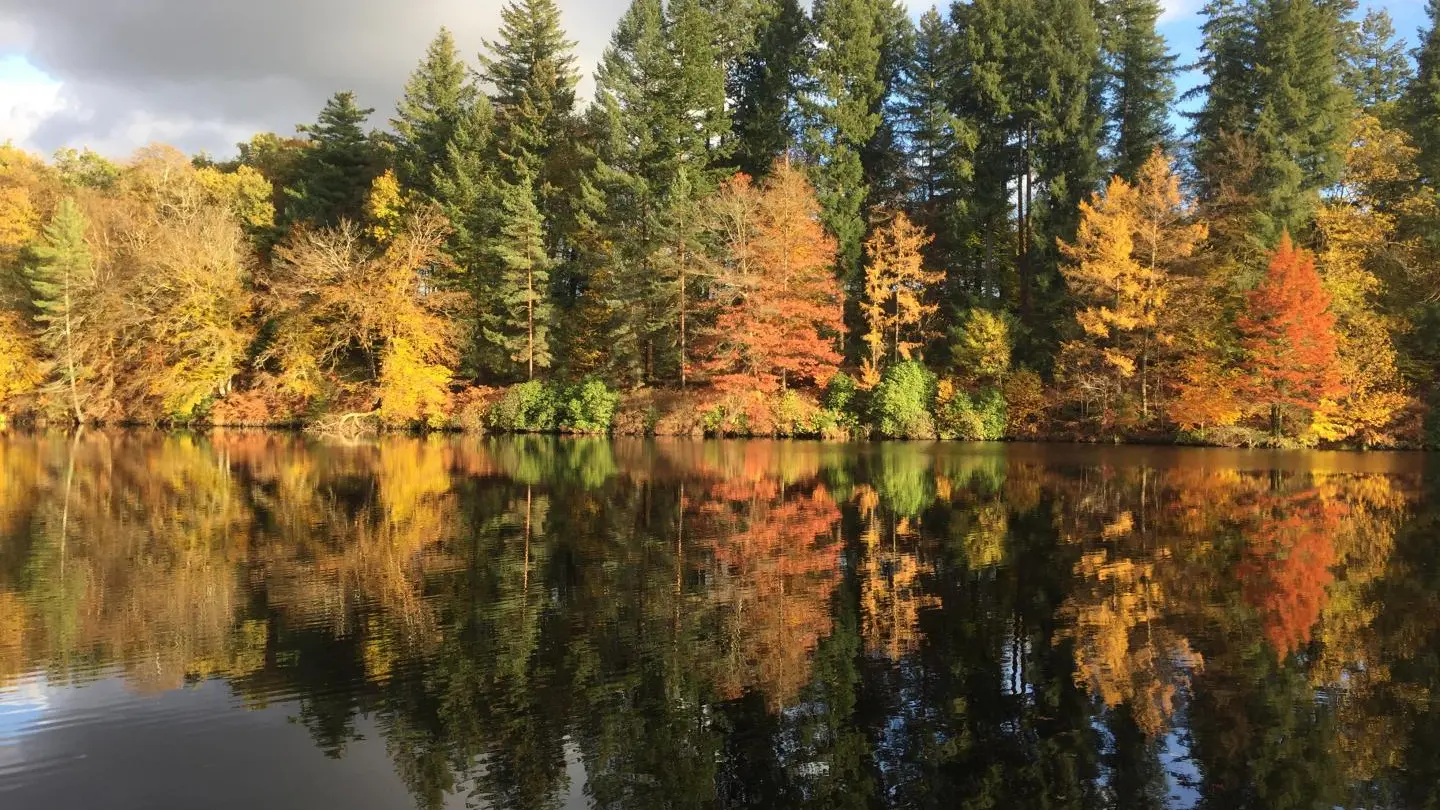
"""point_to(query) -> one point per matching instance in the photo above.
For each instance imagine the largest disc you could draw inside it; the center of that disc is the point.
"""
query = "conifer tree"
(335, 173)
(1303, 113)
(518, 319)
(899, 293)
(768, 77)
(1142, 84)
(1377, 71)
(438, 97)
(938, 138)
(531, 69)
(62, 272)
(842, 117)
(1290, 335)
(1230, 92)
(1421, 105)
(886, 154)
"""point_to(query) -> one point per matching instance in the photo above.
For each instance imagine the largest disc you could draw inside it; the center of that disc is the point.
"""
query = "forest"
(778, 218)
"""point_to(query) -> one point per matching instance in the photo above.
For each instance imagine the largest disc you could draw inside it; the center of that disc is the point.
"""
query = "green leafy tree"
(1421, 105)
(842, 117)
(518, 320)
(1377, 70)
(768, 77)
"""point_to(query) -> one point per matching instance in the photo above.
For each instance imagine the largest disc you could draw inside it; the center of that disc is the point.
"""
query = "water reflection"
(534, 623)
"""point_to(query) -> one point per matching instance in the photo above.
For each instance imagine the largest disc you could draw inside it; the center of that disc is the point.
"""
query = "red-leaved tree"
(1289, 332)
(780, 306)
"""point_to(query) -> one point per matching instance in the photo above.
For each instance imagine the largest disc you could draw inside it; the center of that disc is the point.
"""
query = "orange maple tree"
(780, 302)
(1289, 332)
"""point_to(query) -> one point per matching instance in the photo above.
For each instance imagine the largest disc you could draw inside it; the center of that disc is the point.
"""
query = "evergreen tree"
(1303, 115)
(885, 155)
(1142, 84)
(978, 228)
(531, 68)
(1421, 110)
(463, 183)
(1059, 129)
(1377, 71)
(517, 320)
(660, 109)
(437, 99)
(1229, 90)
(62, 271)
(335, 173)
(698, 102)
(843, 116)
(768, 77)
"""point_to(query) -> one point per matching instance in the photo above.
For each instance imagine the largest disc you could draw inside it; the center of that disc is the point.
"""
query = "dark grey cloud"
(205, 73)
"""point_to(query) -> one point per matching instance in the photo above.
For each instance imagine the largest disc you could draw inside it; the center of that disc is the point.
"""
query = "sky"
(115, 75)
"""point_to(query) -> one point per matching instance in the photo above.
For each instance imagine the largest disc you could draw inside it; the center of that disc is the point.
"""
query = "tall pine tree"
(1141, 73)
(335, 173)
(1377, 70)
(1421, 105)
(63, 272)
(438, 97)
(768, 77)
(519, 318)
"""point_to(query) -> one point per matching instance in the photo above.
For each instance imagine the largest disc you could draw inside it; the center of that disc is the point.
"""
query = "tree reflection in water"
(716, 624)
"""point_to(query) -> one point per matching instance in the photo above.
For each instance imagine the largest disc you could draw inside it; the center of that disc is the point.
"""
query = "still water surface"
(264, 621)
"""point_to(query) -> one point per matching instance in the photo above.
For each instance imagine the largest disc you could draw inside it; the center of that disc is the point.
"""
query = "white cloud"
(27, 99)
(1172, 10)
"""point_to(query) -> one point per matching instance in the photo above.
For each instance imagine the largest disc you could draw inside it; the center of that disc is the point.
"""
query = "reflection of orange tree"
(777, 568)
(1286, 568)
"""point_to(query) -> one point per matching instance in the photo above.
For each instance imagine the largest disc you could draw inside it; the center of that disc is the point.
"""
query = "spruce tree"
(335, 173)
(438, 97)
(1421, 105)
(63, 269)
(698, 101)
(1230, 91)
(1303, 115)
(1377, 71)
(464, 186)
(767, 87)
(978, 225)
(1141, 74)
(885, 155)
(843, 116)
(518, 319)
(531, 68)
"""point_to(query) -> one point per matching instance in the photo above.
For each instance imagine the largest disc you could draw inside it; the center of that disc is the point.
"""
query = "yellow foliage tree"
(1357, 232)
(1123, 269)
(897, 290)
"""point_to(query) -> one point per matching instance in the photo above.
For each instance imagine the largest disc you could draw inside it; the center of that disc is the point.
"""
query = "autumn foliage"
(1289, 333)
(780, 314)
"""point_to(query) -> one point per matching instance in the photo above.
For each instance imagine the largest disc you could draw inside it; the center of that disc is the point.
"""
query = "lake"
(264, 620)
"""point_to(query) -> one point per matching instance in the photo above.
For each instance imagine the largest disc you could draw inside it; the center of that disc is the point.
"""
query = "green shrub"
(527, 407)
(900, 405)
(980, 417)
(589, 407)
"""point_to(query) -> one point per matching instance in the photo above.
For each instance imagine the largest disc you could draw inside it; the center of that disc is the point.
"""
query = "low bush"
(529, 407)
(588, 407)
(900, 406)
(971, 417)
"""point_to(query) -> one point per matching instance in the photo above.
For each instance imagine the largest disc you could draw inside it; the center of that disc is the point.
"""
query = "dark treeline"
(983, 223)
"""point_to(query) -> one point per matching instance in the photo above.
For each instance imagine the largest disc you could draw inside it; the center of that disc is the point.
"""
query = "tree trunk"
(70, 357)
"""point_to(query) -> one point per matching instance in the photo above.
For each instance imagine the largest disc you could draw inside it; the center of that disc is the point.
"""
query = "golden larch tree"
(897, 293)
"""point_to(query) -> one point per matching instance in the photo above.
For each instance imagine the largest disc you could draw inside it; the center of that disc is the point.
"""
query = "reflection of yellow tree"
(891, 593)
(1124, 652)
